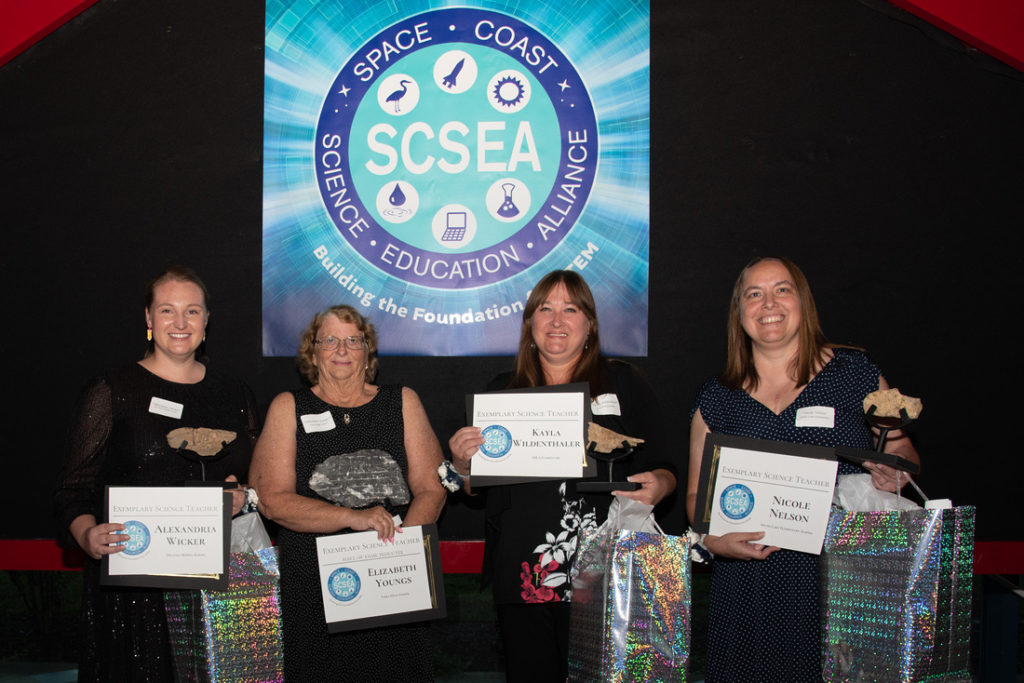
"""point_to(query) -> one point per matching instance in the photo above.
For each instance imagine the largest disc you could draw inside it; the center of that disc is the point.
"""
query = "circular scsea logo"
(737, 501)
(138, 538)
(497, 441)
(343, 584)
(456, 148)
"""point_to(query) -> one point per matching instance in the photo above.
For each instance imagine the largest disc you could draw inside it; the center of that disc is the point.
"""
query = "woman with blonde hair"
(341, 414)
(119, 436)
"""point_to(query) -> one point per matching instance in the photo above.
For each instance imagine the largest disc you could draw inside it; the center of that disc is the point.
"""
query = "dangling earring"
(204, 336)
(149, 334)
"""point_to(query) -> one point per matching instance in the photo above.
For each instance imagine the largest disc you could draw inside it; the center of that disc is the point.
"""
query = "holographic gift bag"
(897, 595)
(630, 616)
(234, 635)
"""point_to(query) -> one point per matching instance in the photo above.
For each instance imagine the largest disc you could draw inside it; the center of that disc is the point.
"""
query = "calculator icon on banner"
(455, 227)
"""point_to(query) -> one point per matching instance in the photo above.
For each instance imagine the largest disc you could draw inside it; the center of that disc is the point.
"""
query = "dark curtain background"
(882, 157)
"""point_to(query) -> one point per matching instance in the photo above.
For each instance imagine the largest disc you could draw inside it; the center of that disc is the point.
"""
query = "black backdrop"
(884, 160)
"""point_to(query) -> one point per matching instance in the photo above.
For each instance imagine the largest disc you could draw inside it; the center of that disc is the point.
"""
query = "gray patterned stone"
(357, 480)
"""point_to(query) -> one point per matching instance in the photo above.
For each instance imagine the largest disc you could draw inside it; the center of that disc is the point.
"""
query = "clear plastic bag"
(856, 492)
(248, 533)
(234, 635)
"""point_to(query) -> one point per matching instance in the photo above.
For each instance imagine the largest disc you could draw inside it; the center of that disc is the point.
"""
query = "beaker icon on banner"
(508, 208)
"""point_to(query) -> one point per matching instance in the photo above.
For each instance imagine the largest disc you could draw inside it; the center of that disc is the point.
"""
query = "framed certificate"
(782, 489)
(532, 434)
(366, 582)
(179, 537)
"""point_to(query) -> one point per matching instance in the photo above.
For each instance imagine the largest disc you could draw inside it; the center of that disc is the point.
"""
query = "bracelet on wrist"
(698, 551)
(450, 477)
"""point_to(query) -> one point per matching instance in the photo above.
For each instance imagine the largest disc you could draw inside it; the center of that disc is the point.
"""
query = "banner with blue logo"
(428, 164)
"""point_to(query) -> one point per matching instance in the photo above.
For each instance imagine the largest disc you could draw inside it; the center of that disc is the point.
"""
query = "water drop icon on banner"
(397, 197)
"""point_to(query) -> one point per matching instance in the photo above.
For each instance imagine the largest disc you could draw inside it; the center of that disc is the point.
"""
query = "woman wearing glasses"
(342, 413)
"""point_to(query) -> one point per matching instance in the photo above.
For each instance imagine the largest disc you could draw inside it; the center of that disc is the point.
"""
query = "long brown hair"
(528, 371)
(740, 372)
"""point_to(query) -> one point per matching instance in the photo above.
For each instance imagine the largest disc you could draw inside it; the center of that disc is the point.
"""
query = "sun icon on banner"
(508, 91)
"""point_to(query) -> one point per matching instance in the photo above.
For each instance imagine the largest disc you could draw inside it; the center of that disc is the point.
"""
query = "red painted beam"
(999, 557)
(23, 23)
(995, 27)
(457, 557)
(462, 557)
(38, 555)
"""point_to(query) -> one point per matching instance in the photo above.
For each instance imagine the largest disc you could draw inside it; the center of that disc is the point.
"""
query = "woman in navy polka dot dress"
(764, 614)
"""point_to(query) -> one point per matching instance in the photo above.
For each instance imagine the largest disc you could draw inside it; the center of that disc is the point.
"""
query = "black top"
(117, 439)
(395, 653)
(532, 529)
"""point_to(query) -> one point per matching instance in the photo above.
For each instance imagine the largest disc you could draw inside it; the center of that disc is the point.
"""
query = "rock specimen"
(605, 440)
(200, 440)
(360, 479)
(888, 402)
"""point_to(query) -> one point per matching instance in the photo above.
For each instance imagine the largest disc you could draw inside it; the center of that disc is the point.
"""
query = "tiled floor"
(37, 672)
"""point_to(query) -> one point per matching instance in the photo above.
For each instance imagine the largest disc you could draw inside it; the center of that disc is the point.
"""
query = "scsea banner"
(427, 164)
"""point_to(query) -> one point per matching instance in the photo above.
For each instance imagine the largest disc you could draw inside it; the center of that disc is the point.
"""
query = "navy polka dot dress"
(763, 623)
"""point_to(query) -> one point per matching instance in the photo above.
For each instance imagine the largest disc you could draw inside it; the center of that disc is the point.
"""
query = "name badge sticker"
(161, 406)
(816, 416)
(323, 422)
(606, 404)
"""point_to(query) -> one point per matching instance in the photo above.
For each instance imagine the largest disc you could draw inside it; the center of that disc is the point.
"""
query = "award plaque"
(531, 434)
(715, 444)
(179, 537)
(366, 582)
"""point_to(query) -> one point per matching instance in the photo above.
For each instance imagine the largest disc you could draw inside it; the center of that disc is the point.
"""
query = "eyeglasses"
(331, 343)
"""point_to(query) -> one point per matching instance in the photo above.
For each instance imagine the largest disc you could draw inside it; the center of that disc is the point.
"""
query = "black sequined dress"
(116, 440)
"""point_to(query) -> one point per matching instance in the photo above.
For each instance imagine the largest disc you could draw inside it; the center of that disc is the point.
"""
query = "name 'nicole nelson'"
(788, 515)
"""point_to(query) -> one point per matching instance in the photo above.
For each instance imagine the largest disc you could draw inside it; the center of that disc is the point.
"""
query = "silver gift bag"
(233, 635)
(897, 595)
(630, 615)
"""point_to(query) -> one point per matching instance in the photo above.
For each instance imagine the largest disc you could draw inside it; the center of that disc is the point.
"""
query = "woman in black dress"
(532, 530)
(119, 437)
(342, 413)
